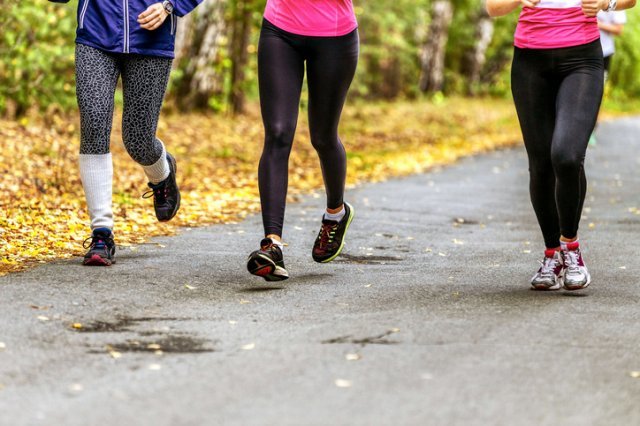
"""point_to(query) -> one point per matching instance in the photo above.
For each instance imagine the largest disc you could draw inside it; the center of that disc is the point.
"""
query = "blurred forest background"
(432, 86)
(409, 47)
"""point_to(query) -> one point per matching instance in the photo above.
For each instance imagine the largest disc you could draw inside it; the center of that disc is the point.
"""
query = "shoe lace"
(571, 261)
(159, 191)
(96, 241)
(548, 266)
(327, 233)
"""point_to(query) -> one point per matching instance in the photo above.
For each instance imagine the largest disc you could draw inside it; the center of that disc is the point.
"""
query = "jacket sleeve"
(182, 7)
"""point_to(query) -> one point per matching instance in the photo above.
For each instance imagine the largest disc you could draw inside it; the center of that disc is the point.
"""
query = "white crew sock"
(96, 173)
(564, 244)
(278, 243)
(158, 171)
(337, 217)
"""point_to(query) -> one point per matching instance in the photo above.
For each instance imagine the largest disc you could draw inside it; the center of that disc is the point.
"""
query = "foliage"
(36, 53)
(42, 209)
(36, 56)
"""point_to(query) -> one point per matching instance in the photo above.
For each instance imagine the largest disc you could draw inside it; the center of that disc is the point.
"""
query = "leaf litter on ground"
(42, 210)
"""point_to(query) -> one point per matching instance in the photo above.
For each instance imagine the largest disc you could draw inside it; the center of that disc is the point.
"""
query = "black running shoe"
(267, 262)
(330, 239)
(102, 249)
(166, 195)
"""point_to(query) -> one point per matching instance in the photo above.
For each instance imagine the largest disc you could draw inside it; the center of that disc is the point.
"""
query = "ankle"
(335, 214)
(276, 239)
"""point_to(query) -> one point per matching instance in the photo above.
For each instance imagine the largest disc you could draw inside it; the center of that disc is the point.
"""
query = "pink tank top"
(553, 24)
(316, 18)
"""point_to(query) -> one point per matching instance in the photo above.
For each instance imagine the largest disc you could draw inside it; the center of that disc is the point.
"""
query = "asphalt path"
(427, 319)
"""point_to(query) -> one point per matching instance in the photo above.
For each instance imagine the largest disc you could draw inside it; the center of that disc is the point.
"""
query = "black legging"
(331, 65)
(557, 93)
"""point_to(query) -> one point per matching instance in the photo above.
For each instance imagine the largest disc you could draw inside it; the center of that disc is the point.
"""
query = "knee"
(324, 140)
(566, 162)
(540, 168)
(279, 135)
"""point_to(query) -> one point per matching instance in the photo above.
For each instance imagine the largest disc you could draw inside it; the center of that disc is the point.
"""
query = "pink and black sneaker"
(576, 275)
(550, 274)
(102, 249)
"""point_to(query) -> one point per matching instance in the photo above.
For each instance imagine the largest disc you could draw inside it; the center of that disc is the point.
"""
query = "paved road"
(424, 321)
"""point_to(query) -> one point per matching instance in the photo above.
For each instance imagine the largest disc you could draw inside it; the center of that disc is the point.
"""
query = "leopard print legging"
(144, 81)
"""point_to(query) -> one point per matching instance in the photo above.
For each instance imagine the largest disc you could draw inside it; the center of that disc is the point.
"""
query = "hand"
(153, 17)
(529, 3)
(592, 7)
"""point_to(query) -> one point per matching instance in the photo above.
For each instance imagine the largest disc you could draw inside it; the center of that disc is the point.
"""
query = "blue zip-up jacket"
(112, 26)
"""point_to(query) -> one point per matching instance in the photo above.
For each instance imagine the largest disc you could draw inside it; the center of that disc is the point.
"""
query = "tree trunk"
(199, 41)
(433, 52)
(476, 57)
(241, 29)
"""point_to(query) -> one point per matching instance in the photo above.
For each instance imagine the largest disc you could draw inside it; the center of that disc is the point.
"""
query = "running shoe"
(267, 262)
(330, 239)
(102, 248)
(549, 276)
(576, 275)
(166, 195)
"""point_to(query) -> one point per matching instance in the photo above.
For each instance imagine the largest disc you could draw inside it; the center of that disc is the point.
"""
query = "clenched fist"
(529, 3)
(592, 7)
(153, 17)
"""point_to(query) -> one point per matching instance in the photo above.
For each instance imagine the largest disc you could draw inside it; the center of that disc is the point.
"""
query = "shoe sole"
(352, 214)
(175, 176)
(269, 271)
(96, 260)
(542, 287)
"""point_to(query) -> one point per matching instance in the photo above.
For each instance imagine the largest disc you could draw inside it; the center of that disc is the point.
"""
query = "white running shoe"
(549, 276)
(576, 275)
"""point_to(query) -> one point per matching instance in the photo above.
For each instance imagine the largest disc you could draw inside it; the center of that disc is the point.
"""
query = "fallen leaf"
(244, 302)
(190, 287)
(115, 354)
(76, 325)
(153, 346)
(353, 357)
(249, 347)
(635, 374)
(342, 383)
(155, 367)
(40, 308)
(76, 387)
(43, 318)
(3, 346)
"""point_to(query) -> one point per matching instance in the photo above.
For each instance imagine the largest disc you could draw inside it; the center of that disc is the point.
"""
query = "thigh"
(144, 82)
(280, 77)
(534, 92)
(331, 66)
(97, 75)
(578, 104)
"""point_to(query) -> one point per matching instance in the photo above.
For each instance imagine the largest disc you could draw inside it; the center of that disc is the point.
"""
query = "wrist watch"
(168, 6)
(612, 5)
